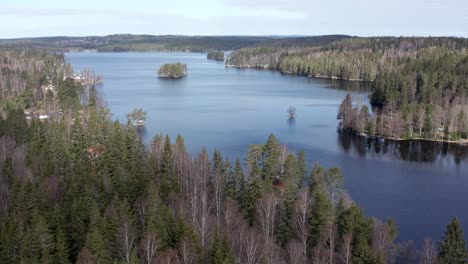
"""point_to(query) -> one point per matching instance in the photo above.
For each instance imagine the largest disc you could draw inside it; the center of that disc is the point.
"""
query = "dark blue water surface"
(422, 185)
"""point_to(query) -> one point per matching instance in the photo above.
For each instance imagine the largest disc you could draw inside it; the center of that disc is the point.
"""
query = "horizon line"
(238, 35)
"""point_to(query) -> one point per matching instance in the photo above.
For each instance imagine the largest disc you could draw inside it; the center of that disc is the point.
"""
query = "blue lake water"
(421, 185)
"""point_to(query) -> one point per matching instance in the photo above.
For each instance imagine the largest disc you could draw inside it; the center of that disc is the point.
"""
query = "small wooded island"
(217, 55)
(173, 70)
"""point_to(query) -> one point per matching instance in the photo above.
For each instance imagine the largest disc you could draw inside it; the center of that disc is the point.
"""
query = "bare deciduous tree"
(295, 252)
(187, 255)
(266, 210)
(200, 201)
(148, 248)
(381, 238)
(346, 248)
(217, 181)
(429, 252)
(252, 248)
(301, 218)
(126, 239)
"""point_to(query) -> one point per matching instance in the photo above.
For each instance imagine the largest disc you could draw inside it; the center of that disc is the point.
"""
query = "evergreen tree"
(452, 248)
(218, 164)
(180, 143)
(362, 236)
(168, 181)
(37, 243)
(285, 230)
(60, 255)
(270, 159)
(302, 167)
(10, 240)
(239, 180)
(220, 252)
(252, 194)
(97, 245)
(321, 214)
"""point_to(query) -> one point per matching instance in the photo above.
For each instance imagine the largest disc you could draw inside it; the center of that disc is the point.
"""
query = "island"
(173, 70)
(217, 55)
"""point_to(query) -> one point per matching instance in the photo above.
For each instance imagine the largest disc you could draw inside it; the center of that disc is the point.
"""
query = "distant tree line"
(215, 55)
(128, 42)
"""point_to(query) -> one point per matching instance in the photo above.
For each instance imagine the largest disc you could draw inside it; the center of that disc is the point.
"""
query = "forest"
(79, 187)
(217, 55)
(419, 85)
(128, 42)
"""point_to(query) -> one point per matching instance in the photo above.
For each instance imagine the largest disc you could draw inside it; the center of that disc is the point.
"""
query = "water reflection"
(292, 124)
(142, 132)
(348, 85)
(409, 150)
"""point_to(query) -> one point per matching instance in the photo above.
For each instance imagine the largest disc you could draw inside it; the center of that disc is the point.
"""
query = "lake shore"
(461, 142)
(316, 76)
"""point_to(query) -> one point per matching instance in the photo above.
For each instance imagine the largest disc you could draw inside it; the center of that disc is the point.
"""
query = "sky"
(37, 18)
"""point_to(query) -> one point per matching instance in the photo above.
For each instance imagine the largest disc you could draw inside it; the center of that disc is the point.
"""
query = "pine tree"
(252, 194)
(270, 157)
(321, 213)
(97, 245)
(239, 180)
(230, 185)
(218, 164)
(180, 143)
(362, 235)
(60, 255)
(317, 176)
(10, 240)
(168, 181)
(452, 249)
(220, 252)
(302, 167)
(167, 157)
(291, 178)
(37, 243)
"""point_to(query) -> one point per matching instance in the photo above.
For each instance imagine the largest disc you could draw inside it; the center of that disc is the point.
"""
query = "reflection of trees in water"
(347, 85)
(292, 125)
(345, 140)
(142, 132)
(411, 150)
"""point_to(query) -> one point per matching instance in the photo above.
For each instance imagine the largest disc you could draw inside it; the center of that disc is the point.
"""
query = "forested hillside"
(77, 187)
(419, 85)
(23, 73)
(217, 55)
(127, 42)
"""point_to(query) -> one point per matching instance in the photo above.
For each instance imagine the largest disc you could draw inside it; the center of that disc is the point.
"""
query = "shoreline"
(462, 142)
(316, 76)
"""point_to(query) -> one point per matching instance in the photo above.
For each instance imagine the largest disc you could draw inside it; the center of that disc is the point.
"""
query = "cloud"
(45, 12)
(228, 17)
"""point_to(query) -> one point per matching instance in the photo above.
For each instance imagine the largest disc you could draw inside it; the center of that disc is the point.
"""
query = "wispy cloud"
(227, 17)
(41, 12)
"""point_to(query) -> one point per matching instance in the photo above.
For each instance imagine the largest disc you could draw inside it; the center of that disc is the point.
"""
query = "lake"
(420, 184)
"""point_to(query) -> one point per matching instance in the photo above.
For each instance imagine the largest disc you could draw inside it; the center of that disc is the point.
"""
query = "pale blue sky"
(32, 18)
